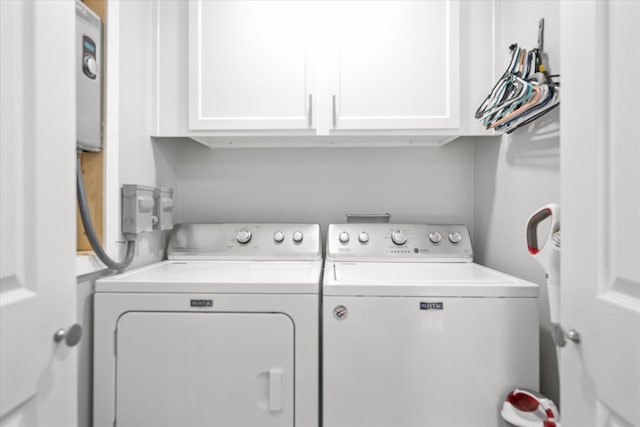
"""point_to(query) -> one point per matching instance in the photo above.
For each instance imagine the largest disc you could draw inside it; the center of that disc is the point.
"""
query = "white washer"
(223, 333)
(416, 334)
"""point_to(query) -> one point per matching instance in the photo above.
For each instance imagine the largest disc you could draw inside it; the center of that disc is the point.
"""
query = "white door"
(37, 213)
(196, 369)
(398, 65)
(249, 65)
(600, 375)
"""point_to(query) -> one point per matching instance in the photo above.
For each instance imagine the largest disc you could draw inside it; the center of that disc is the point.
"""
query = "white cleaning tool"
(527, 408)
(548, 255)
(523, 407)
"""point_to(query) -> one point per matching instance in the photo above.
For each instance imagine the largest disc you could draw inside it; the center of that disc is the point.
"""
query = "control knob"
(363, 237)
(90, 66)
(343, 237)
(243, 236)
(298, 236)
(278, 237)
(435, 237)
(399, 237)
(455, 237)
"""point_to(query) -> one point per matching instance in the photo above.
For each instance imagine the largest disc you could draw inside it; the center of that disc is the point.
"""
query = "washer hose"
(91, 232)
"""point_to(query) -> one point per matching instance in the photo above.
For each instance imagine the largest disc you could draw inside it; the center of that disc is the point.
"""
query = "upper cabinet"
(397, 65)
(371, 69)
(249, 65)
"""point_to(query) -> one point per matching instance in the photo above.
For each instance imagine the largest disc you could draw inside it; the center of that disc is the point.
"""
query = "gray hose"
(91, 232)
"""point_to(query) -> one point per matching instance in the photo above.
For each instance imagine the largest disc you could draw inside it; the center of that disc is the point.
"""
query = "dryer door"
(195, 369)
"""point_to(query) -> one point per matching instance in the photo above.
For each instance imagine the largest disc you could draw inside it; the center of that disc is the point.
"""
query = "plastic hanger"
(533, 100)
(498, 89)
(525, 92)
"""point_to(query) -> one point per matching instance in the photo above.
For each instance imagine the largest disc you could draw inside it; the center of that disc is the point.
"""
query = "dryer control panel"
(256, 241)
(399, 242)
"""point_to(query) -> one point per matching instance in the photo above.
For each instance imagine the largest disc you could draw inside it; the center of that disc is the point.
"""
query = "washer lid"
(241, 277)
(422, 279)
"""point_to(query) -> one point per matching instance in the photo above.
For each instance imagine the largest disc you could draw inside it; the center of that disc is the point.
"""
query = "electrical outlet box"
(163, 208)
(137, 209)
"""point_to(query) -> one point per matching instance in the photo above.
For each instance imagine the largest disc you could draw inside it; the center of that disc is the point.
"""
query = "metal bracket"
(541, 35)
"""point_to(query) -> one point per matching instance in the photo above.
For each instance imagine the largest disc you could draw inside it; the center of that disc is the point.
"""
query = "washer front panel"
(425, 361)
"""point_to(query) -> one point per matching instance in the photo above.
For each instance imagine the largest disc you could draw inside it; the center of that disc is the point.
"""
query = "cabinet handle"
(335, 117)
(310, 116)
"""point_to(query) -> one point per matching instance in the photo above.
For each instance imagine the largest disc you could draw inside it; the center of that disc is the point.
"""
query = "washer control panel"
(245, 241)
(399, 242)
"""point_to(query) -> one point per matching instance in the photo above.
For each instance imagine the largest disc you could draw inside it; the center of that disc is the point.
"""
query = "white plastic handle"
(547, 254)
(551, 210)
(276, 384)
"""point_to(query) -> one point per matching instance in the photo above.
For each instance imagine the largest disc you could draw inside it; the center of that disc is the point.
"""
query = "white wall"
(131, 155)
(131, 158)
(321, 185)
(517, 174)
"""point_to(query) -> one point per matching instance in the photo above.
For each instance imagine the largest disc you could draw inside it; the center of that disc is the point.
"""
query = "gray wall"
(517, 174)
(513, 178)
(321, 185)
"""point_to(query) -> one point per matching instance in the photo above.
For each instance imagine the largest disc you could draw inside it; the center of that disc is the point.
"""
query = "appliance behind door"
(88, 79)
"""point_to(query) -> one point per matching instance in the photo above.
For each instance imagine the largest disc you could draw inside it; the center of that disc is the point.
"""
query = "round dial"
(243, 236)
(343, 237)
(298, 236)
(399, 237)
(90, 66)
(278, 237)
(435, 237)
(363, 237)
(455, 237)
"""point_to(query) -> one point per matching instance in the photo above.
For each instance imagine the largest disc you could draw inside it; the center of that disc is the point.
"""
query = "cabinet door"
(196, 369)
(249, 65)
(397, 65)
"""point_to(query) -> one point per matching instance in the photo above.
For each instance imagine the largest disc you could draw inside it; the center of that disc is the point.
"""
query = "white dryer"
(224, 333)
(416, 334)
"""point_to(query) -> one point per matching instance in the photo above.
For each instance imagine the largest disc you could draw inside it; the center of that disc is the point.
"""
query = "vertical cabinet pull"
(310, 114)
(334, 116)
(276, 392)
